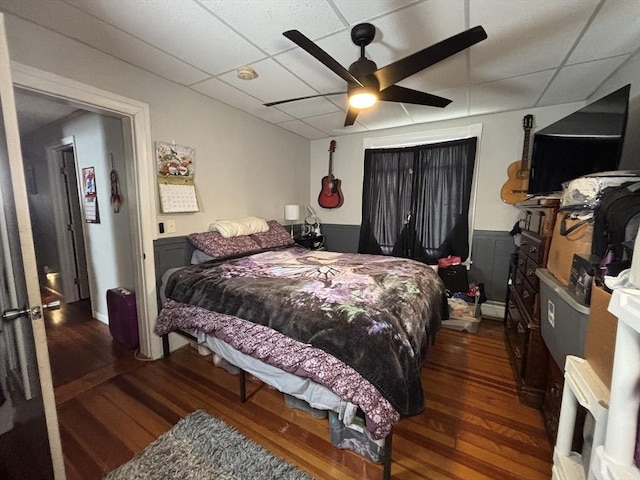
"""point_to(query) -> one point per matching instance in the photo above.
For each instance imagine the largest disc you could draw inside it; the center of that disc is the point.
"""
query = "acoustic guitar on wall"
(515, 188)
(331, 194)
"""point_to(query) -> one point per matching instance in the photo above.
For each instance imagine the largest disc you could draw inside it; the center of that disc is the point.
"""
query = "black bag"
(454, 278)
(616, 209)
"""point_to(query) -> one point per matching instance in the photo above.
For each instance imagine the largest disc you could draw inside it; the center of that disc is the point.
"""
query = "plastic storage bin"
(563, 321)
(463, 316)
(293, 402)
(356, 438)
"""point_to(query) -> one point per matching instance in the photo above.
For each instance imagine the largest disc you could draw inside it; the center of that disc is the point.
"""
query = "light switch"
(170, 226)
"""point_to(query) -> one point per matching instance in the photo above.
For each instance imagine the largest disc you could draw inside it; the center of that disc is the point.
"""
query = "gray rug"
(201, 447)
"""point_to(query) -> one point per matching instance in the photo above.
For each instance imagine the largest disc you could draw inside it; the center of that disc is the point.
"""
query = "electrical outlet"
(551, 313)
(170, 226)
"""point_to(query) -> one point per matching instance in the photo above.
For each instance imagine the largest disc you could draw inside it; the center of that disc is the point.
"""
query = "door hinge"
(63, 170)
(70, 227)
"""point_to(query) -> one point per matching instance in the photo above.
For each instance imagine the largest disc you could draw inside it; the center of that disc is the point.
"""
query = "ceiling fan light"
(362, 99)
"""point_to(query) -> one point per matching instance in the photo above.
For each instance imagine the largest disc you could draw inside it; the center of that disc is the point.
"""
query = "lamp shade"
(291, 212)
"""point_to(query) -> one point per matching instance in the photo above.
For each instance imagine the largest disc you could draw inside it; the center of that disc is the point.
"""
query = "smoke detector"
(247, 73)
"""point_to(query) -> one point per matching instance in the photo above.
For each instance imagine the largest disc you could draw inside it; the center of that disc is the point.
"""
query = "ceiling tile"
(76, 24)
(308, 108)
(577, 82)
(356, 11)
(264, 22)
(302, 129)
(614, 31)
(183, 29)
(411, 29)
(523, 37)
(311, 71)
(459, 107)
(333, 124)
(513, 93)
(384, 115)
(273, 83)
(231, 96)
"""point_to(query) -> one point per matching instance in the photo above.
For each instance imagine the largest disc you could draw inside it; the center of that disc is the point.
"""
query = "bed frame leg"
(243, 387)
(165, 345)
(388, 448)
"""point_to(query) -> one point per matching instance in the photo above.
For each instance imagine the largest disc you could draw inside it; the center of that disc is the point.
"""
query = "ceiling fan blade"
(271, 104)
(352, 113)
(407, 66)
(314, 50)
(395, 93)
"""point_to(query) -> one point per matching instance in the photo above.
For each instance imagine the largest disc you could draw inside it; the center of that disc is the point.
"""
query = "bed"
(347, 333)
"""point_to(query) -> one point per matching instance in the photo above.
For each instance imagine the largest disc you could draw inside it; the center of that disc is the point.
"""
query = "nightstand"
(314, 242)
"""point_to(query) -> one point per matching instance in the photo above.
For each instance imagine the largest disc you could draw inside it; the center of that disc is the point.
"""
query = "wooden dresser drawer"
(516, 332)
(533, 247)
(530, 274)
(518, 281)
(529, 298)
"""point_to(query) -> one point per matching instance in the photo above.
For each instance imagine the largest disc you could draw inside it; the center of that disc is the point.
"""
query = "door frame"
(136, 123)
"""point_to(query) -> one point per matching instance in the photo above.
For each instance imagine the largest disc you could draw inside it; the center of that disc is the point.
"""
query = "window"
(416, 200)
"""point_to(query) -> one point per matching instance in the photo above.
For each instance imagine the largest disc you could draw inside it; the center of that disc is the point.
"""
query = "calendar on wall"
(175, 198)
(175, 171)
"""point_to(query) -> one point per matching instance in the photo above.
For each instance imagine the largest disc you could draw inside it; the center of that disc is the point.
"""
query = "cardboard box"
(600, 343)
(583, 271)
(564, 247)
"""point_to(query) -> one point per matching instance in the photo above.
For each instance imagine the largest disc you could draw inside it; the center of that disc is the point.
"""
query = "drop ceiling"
(538, 53)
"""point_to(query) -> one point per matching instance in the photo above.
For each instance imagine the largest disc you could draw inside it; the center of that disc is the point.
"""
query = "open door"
(28, 420)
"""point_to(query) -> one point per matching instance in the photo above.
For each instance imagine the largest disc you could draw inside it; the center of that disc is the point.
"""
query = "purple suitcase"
(123, 316)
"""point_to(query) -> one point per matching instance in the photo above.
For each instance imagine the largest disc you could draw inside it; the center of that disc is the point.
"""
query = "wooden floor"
(473, 426)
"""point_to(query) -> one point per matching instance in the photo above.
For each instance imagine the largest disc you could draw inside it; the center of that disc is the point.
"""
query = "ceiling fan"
(366, 83)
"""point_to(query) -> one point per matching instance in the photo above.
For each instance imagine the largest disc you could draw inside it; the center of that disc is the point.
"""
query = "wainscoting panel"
(490, 262)
(341, 238)
(490, 252)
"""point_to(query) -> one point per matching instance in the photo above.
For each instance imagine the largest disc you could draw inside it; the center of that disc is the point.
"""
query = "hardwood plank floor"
(473, 426)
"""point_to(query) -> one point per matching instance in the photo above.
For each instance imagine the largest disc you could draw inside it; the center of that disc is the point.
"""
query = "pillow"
(276, 236)
(198, 256)
(214, 245)
(235, 228)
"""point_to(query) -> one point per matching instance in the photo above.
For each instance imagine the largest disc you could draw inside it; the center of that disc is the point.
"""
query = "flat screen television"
(587, 141)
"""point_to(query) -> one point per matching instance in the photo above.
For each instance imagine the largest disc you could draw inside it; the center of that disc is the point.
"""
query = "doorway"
(68, 279)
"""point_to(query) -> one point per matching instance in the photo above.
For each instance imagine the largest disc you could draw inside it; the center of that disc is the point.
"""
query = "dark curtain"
(415, 200)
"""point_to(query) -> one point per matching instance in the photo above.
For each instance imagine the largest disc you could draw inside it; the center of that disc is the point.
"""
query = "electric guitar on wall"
(515, 188)
(331, 195)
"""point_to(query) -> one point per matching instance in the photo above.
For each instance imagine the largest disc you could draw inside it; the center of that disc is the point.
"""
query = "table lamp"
(291, 214)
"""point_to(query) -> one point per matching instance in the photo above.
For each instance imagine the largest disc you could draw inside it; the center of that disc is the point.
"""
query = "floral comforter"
(374, 313)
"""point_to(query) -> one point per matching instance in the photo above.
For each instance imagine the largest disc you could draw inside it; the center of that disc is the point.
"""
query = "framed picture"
(90, 195)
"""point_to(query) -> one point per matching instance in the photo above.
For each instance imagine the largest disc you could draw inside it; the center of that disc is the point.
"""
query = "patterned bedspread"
(374, 313)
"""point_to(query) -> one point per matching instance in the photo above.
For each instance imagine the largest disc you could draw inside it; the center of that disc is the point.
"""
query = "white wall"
(244, 166)
(108, 243)
(501, 144)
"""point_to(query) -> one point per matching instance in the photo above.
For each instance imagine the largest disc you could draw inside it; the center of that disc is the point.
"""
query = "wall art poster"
(90, 195)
